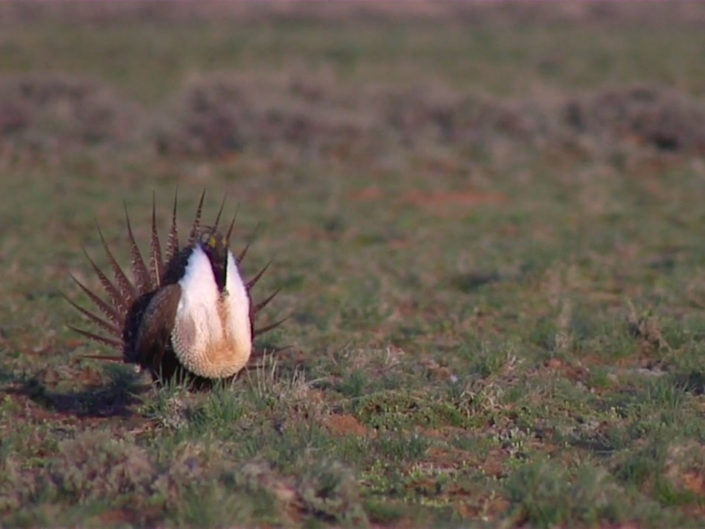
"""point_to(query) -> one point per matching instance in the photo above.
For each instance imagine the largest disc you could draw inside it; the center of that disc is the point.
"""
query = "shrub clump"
(330, 491)
(657, 117)
(219, 115)
(59, 111)
(421, 115)
(97, 466)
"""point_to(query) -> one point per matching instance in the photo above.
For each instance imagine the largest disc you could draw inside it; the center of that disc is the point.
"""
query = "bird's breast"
(212, 332)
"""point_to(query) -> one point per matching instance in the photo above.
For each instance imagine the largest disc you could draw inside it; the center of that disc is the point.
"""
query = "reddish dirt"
(571, 371)
(694, 482)
(445, 432)
(494, 463)
(367, 194)
(447, 458)
(345, 425)
(118, 516)
(488, 507)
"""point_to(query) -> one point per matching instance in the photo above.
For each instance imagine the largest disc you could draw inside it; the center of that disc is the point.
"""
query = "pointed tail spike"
(98, 338)
(197, 220)
(155, 258)
(258, 353)
(259, 306)
(282, 348)
(127, 289)
(106, 325)
(257, 356)
(243, 252)
(271, 326)
(252, 282)
(220, 212)
(250, 240)
(115, 293)
(172, 243)
(232, 225)
(139, 269)
(111, 311)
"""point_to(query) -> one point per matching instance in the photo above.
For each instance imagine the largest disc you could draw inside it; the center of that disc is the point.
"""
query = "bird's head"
(215, 246)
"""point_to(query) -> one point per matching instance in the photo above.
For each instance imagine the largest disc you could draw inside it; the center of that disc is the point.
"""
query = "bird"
(188, 316)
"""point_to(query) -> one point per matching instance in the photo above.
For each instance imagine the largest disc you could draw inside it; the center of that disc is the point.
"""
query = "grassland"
(487, 224)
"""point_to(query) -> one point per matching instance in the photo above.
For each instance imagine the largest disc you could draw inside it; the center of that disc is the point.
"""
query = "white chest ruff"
(212, 334)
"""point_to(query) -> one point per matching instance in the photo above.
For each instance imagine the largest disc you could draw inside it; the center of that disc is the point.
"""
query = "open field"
(487, 223)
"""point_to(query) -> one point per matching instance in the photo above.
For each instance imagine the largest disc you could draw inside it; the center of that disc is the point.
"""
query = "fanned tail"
(121, 293)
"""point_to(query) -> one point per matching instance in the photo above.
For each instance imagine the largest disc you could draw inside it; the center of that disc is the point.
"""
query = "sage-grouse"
(189, 314)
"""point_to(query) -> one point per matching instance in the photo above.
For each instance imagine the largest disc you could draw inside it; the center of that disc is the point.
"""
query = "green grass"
(487, 225)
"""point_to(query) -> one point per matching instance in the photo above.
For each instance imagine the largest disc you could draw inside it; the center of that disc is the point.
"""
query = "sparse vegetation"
(487, 222)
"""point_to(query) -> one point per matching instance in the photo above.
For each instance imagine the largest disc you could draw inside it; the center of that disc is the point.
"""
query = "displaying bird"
(188, 315)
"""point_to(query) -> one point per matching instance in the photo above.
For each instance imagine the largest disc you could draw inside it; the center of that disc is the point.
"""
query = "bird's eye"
(210, 240)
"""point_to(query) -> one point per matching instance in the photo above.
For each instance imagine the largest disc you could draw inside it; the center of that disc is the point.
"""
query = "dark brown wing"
(153, 343)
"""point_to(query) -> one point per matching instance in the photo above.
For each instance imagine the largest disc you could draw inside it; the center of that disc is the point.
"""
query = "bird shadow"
(114, 399)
